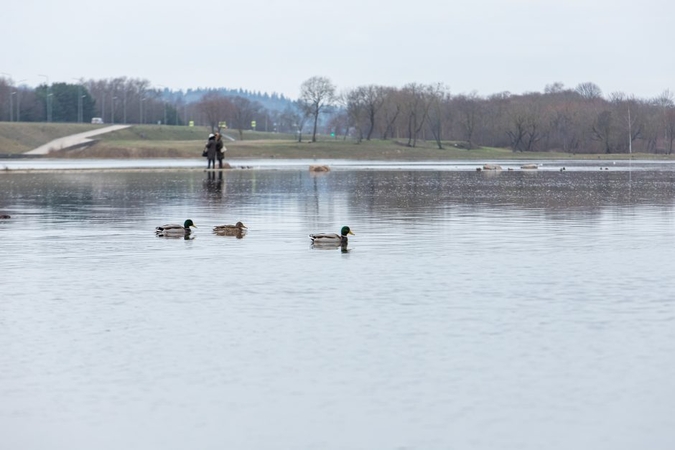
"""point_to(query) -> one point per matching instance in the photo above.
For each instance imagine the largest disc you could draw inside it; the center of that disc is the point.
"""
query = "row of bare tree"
(576, 120)
(579, 120)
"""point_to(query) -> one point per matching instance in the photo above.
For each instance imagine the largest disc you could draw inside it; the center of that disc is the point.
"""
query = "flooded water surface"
(470, 310)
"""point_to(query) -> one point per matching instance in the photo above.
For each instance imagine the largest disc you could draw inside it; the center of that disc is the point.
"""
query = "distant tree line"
(578, 120)
(127, 100)
(573, 120)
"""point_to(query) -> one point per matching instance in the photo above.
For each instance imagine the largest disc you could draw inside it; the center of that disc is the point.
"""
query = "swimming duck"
(239, 229)
(175, 229)
(331, 238)
(5, 216)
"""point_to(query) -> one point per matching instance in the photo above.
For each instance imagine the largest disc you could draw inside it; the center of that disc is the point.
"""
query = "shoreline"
(155, 165)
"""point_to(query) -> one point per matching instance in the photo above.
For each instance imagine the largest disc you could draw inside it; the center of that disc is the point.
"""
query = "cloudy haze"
(273, 46)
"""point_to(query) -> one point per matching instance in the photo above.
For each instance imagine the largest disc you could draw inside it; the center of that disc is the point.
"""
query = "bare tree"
(6, 113)
(517, 131)
(589, 91)
(554, 88)
(562, 126)
(373, 97)
(390, 111)
(628, 112)
(651, 128)
(526, 123)
(670, 128)
(339, 123)
(468, 109)
(439, 112)
(216, 108)
(316, 94)
(293, 119)
(603, 130)
(417, 100)
(495, 119)
(666, 102)
(243, 112)
(354, 103)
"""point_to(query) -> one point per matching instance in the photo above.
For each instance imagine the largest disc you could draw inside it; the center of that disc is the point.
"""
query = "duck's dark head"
(189, 223)
(345, 231)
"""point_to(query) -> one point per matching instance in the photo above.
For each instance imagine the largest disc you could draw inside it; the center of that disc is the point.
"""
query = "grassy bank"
(161, 141)
(19, 137)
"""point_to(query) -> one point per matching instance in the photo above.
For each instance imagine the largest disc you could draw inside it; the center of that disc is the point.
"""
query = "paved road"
(73, 140)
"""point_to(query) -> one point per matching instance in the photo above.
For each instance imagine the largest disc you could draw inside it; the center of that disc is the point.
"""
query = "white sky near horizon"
(487, 46)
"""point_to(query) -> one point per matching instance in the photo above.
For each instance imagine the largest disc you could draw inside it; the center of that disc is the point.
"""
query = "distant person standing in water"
(211, 151)
(219, 150)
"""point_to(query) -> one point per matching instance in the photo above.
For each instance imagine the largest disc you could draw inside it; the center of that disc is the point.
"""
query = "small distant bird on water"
(5, 216)
(175, 230)
(331, 238)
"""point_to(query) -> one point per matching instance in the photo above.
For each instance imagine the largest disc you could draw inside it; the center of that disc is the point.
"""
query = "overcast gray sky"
(488, 46)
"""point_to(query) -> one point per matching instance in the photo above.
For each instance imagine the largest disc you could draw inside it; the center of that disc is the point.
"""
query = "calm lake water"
(514, 310)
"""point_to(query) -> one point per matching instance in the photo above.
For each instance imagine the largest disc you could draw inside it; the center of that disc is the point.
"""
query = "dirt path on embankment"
(73, 140)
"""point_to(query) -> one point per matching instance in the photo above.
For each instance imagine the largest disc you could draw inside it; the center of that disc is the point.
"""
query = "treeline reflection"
(361, 191)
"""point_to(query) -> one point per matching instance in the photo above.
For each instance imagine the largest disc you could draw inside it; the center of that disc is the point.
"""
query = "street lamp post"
(79, 100)
(49, 107)
(18, 99)
(141, 118)
(11, 106)
(112, 111)
(163, 101)
(49, 98)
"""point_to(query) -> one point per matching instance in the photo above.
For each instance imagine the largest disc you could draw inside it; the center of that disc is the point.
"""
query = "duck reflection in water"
(186, 237)
(331, 246)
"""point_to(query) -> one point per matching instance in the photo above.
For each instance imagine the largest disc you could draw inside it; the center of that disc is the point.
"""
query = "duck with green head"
(175, 230)
(332, 238)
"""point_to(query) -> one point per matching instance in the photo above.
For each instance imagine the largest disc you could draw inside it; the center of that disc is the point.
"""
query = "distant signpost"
(253, 124)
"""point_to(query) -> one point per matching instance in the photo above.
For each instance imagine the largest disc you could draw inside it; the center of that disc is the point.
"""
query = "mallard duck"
(238, 227)
(175, 229)
(331, 238)
(231, 230)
